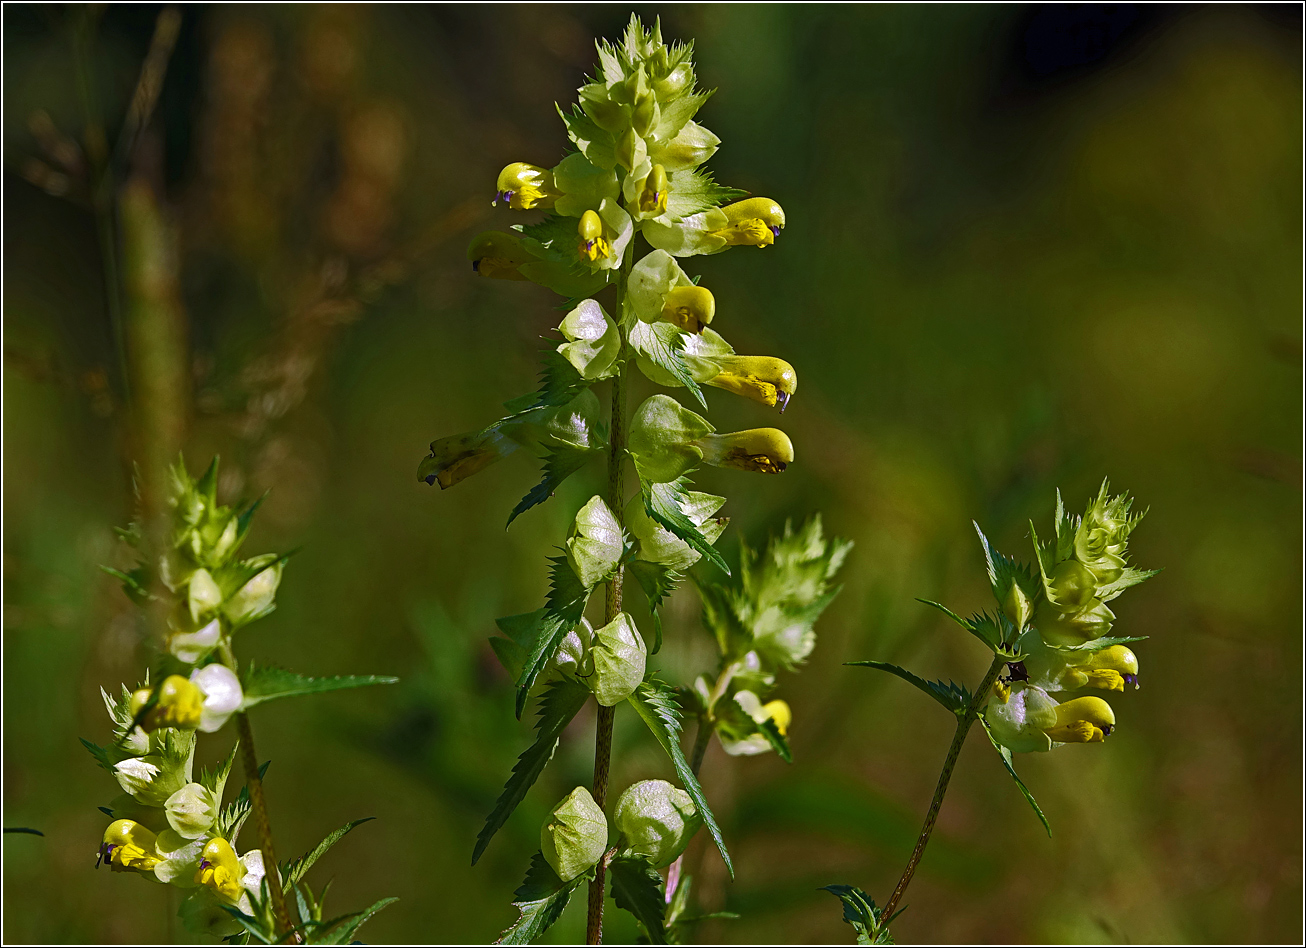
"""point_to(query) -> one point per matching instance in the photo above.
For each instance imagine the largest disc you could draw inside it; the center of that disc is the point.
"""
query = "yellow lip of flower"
(220, 869)
(689, 307)
(179, 704)
(593, 246)
(498, 255)
(1085, 720)
(1002, 690)
(753, 222)
(779, 712)
(764, 379)
(762, 450)
(523, 186)
(653, 195)
(128, 845)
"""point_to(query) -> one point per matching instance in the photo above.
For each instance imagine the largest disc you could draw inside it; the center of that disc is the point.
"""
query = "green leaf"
(270, 682)
(232, 817)
(294, 870)
(861, 912)
(216, 781)
(134, 583)
(101, 755)
(694, 191)
(663, 344)
(637, 888)
(1096, 645)
(778, 741)
(558, 705)
(1130, 577)
(1005, 572)
(345, 934)
(540, 899)
(952, 696)
(657, 581)
(655, 702)
(559, 464)
(1005, 754)
(983, 626)
(664, 504)
(563, 609)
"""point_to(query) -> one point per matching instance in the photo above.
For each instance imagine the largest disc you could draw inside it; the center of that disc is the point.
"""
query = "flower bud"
(1083, 721)
(221, 870)
(258, 596)
(689, 307)
(596, 543)
(191, 810)
(593, 340)
(1071, 586)
(128, 845)
(657, 820)
(1017, 606)
(764, 450)
(151, 779)
(498, 255)
(203, 594)
(575, 835)
(179, 704)
(644, 116)
(764, 379)
(675, 83)
(619, 657)
(573, 657)
(222, 695)
(522, 187)
(190, 647)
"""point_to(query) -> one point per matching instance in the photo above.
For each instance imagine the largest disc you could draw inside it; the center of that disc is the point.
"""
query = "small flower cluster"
(1066, 643)
(166, 824)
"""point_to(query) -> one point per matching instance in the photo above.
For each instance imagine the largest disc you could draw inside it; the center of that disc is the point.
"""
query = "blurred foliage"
(1024, 251)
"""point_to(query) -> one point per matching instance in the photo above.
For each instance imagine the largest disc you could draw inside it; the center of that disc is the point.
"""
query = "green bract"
(661, 439)
(575, 835)
(657, 820)
(659, 545)
(596, 543)
(619, 656)
(593, 341)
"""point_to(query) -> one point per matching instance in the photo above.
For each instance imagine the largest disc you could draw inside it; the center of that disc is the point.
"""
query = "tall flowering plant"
(623, 213)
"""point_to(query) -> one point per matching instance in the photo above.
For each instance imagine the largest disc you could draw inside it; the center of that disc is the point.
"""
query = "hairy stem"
(611, 609)
(263, 824)
(949, 763)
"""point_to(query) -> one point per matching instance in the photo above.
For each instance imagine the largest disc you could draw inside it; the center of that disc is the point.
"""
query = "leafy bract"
(270, 682)
(294, 870)
(1005, 754)
(665, 504)
(540, 899)
(861, 912)
(952, 696)
(637, 888)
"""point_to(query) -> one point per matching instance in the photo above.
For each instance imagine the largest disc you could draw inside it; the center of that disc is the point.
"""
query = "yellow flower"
(128, 845)
(764, 379)
(1085, 720)
(779, 712)
(179, 704)
(523, 186)
(689, 307)
(764, 450)
(593, 246)
(754, 222)
(498, 255)
(220, 869)
(653, 195)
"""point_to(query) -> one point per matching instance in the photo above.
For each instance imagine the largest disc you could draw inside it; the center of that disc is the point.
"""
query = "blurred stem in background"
(149, 325)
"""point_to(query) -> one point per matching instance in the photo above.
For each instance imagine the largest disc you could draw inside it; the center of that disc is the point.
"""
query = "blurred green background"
(1027, 247)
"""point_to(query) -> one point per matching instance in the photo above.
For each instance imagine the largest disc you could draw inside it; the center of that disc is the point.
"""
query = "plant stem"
(611, 609)
(949, 763)
(701, 739)
(263, 823)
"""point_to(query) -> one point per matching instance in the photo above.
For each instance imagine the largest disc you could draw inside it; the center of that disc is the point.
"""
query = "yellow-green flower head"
(619, 657)
(764, 379)
(177, 703)
(575, 835)
(221, 870)
(657, 820)
(1025, 718)
(763, 450)
(128, 845)
(1107, 669)
(753, 222)
(582, 186)
(498, 255)
(257, 597)
(522, 187)
(1072, 586)
(689, 307)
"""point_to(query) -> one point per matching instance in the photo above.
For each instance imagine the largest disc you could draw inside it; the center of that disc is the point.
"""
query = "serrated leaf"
(1129, 577)
(1005, 754)
(294, 870)
(133, 583)
(658, 582)
(637, 888)
(559, 703)
(540, 899)
(101, 755)
(562, 611)
(952, 696)
(779, 743)
(270, 682)
(1005, 572)
(559, 463)
(216, 781)
(1096, 645)
(656, 703)
(665, 504)
(861, 912)
(663, 344)
(345, 934)
(691, 192)
(232, 817)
